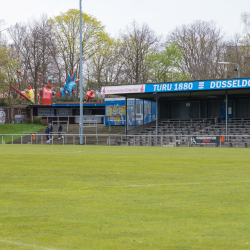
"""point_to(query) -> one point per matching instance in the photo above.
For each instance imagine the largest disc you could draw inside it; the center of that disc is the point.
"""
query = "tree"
(138, 42)
(8, 70)
(164, 66)
(8, 63)
(3, 60)
(33, 46)
(203, 47)
(245, 19)
(106, 66)
(97, 66)
(238, 51)
(66, 32)
(11, 71)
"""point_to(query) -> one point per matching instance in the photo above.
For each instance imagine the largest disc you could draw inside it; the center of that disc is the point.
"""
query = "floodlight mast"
(81, 97)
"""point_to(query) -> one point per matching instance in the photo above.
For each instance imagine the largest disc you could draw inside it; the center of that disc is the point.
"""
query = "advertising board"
(178, 86)
(198, 85)
(205, 140)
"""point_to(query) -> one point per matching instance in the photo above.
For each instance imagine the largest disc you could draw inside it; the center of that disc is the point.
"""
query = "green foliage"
(27, 120)
(3, 62)
(37, 120)
(12, 100)
(163, 65)
(8, 68)
(66, 31)
(72, 98)
(98, 63)
(44, 122)
(124, 197)
(3, 102)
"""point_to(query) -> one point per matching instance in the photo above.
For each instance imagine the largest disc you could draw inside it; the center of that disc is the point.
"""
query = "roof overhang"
(185, 90)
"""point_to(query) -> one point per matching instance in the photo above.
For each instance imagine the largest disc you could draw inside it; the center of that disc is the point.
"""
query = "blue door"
(229, 110)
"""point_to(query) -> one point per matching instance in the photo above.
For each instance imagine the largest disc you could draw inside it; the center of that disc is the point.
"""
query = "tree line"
(136, 56)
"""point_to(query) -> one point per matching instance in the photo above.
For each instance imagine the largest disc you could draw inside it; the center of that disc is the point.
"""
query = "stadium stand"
(177, 133)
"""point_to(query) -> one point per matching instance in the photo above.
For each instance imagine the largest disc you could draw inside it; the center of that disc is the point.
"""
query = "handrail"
(135, 135)
(143, 140)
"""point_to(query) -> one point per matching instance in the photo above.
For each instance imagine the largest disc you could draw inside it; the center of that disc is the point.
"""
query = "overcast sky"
(161, 15)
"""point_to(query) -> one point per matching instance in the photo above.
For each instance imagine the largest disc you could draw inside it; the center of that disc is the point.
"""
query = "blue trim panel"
(198, 85)
(78, 105)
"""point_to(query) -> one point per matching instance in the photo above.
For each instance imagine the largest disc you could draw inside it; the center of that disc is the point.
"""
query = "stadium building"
(214, 107)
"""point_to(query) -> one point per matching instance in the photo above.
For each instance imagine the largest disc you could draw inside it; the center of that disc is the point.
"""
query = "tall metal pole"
(226, 115)
(81, 94)
(156, 116)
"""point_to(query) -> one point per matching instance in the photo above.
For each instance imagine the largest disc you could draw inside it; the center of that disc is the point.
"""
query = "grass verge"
(17, 129)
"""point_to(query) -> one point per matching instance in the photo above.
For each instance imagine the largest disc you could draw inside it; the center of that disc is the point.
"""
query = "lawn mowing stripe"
(126, 186)
(27, 245)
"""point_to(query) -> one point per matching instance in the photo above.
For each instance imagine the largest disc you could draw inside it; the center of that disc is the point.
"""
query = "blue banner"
(198, 85)
(136, 113)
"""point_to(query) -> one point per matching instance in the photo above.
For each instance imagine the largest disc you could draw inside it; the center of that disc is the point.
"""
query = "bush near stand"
(37, 120)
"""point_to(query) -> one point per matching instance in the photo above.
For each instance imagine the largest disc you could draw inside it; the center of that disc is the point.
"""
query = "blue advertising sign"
(198, 85)
(136, 113)
(116, 110)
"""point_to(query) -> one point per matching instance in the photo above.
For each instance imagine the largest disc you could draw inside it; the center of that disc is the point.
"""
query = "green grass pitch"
(100, 197)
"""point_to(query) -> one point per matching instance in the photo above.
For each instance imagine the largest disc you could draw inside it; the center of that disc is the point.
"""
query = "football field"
(101, 197)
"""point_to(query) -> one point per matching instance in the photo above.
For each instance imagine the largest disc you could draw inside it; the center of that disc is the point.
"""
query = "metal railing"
(131, 140)
(94, 122)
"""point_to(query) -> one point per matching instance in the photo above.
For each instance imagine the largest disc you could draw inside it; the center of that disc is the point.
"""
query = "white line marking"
(126, 186)
(23, 244)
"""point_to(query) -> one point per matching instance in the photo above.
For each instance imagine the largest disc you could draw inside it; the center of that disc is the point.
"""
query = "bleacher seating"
(178, 132)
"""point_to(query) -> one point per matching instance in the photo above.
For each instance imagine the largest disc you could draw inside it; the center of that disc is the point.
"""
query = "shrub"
(2, 102)
(27, 120)
(72, 98)
(44, 122)
(37, 120)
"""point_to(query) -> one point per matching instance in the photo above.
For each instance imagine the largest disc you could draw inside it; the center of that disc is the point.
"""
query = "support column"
(126, 116)
(156, 98)
(143, 111)
(135, 111)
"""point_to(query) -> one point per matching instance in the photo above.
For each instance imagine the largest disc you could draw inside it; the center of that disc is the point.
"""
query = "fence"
(131, 140)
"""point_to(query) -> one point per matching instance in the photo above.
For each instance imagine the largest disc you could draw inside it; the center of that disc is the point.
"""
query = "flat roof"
(68, 105)
(78, 105)
(171, 87)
